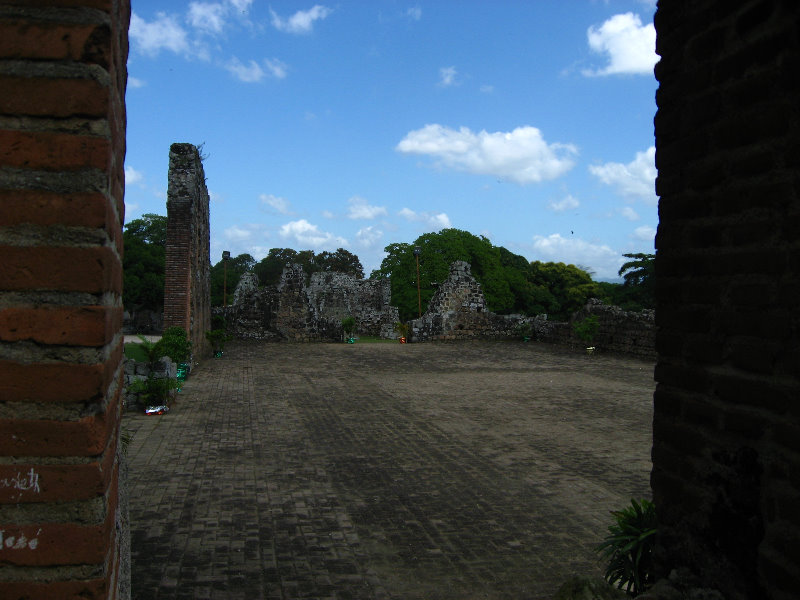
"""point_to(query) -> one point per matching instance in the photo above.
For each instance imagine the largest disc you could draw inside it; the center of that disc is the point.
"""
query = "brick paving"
(386, 471)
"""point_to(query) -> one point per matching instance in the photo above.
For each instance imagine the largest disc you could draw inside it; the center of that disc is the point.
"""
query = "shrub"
(628, 547)
(217, 339)
(587, 328)
(174, 344)
(348, 325)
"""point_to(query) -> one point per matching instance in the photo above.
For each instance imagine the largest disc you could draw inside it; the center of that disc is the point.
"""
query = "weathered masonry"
(62, 148)
(187, 300)
(726, 431)
(295, 311)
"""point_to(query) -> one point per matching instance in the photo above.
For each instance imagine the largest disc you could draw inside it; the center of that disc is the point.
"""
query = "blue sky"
(362, 123)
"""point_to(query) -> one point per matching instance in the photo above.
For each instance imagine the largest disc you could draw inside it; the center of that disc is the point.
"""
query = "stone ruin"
(458, 311)
(300, 311)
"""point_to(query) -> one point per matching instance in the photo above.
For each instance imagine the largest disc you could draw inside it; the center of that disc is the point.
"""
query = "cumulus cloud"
(275, 204)
(629, 46)
(132, 176)
(436, 220)
(634, 180)
(521, 155)
(645, 233)
(309, 236)
(241, 5)
(415, 13)
(237, 234)
(447, 76)
(368, 236)
(208, 17)
(599, 257)
(566, 203)
(253, 72)
(163, 33)
(629, 213)
(135, 82)
(360, 209)
(302, 21)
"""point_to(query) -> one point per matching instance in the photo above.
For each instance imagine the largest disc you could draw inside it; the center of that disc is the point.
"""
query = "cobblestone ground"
(386, 471)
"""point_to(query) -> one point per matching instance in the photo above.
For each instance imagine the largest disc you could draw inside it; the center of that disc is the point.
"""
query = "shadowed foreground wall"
(62, 149)
(726, 448)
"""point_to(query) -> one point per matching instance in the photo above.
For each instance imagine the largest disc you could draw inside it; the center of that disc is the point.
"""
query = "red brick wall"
(62, 147)
(187, 299)
(726, 431)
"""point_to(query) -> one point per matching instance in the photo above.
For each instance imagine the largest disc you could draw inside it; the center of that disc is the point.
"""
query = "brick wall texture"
(187, 299)
(726, 447)
(62, 149)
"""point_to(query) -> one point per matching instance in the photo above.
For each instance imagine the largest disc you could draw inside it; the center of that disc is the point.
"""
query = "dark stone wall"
(726, 430)
(187, 298)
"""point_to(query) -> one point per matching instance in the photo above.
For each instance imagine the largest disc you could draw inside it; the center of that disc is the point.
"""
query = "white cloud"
(302, 21)
(359, 209)
(208, 17)
(487, 89)
(630, 46)
(276, 67)
(599, 257)
(309, 236)
(237, 234)
(447, 76)
(276, 204)
(629, 213)
(521, 155)
(241, 5)
(645, 233)
(566, 203)
(132, 176)
(436, 220)
(135, 82)
(415, 13)
(163, 33)
(634, 180)
(252, 72)
(328, 214)
(368, 236)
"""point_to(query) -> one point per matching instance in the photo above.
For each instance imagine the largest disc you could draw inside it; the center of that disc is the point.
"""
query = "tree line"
(511, 283)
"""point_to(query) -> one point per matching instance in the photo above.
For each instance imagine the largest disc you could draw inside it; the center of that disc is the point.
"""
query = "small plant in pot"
(217, 339)
(401, 329)
(348, 327)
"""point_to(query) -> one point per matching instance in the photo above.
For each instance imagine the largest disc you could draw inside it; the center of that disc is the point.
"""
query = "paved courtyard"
(386, 471)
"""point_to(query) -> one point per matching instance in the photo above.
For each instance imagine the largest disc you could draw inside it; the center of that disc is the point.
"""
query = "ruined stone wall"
(187, 299)
(295, 311)
(335, 296)
(726, 431)
(620, 332)
(62, 149)
(457, 311)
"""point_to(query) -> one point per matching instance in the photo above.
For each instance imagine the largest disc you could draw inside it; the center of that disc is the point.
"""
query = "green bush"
(628, 547)
(174, 344)
(587, 328)
(348, 325)
(153, 391)
(217, 339)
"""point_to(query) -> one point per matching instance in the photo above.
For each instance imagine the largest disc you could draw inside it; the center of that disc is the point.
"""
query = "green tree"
(270, 267)
(569, 287)
(639, 274)
(235, 269)
(340, 261)
(143, 262)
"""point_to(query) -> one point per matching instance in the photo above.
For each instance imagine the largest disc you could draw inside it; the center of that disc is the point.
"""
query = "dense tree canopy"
(143, 262)
(234, 270)
(269, 269)
(510, 283)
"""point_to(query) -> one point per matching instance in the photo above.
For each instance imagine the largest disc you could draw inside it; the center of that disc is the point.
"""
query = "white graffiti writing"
(18, 542)
(28, 481)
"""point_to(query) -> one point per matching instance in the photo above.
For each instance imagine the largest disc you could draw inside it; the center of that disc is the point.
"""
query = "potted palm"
(402, 331)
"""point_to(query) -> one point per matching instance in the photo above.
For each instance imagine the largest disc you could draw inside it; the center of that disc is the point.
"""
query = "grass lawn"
(136, 352)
